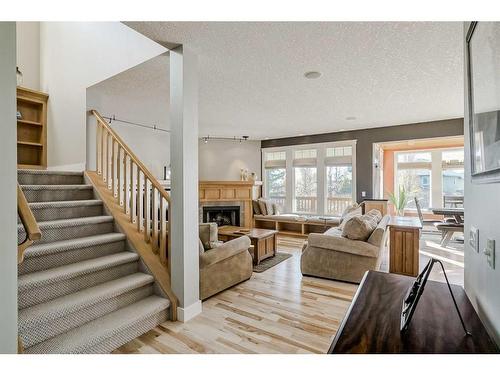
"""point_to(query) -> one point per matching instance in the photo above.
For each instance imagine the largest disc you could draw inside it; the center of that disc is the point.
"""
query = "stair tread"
(62, 223)
(51, 172)
(70, 303)
(82, 338)
(76, 243)
(57, 187)
(69, 271)
(58, 204)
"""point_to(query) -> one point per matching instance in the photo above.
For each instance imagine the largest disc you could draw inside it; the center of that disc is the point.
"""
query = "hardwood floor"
(276, 311)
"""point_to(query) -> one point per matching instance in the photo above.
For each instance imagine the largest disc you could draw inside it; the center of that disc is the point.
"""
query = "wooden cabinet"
(31, 129)
(404, 245)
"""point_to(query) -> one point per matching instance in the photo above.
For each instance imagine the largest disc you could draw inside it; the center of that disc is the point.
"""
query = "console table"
(372, 322)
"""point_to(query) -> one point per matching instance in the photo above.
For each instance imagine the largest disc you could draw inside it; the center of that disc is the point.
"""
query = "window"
(305, 190)
(317, 179)
(415, 171)
(275, 177)
(339, 151)
(338, 188)
(276, 185)
(417, 184)
(453, 173)
(305, 181)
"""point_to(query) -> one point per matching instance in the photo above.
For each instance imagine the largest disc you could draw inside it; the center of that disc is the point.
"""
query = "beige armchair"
(222, 265)
(331, 256)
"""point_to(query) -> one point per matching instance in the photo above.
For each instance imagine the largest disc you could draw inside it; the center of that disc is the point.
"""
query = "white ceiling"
(251, 75)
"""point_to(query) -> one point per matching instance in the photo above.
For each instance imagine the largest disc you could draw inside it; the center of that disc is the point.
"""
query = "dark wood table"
(457, 213)
(372, 322)
(264, 241)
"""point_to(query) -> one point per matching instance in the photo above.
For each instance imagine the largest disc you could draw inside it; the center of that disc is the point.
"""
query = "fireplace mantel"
(231, 191)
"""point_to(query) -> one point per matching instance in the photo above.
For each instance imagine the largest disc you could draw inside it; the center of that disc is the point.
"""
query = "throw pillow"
(375, 214)
(256, 207)
(276, 209)
(348, 216)
(350, 208)
(262, 206)
(269, 207)
(359, 227)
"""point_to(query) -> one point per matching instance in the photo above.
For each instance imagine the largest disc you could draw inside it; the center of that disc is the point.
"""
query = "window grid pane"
(278, 155)
(305, 154)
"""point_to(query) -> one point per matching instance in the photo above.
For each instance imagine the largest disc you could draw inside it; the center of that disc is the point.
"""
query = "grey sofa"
(222, 265)
(331, 256)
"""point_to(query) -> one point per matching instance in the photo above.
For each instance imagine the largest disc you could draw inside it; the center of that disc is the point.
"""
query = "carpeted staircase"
(80, 288)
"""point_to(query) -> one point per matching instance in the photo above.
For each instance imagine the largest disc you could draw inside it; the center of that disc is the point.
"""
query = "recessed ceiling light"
(301, 134)
(342, 130)
(312, 75)
(350, 118)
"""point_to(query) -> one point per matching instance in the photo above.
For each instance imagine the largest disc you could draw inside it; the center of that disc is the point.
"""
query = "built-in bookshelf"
(31, 129)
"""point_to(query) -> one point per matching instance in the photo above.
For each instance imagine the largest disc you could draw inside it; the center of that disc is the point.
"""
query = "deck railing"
(334, 205)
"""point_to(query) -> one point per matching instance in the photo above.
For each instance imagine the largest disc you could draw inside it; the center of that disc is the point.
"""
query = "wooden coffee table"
(264, 241)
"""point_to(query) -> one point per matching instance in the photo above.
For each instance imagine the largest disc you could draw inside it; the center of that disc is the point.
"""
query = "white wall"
(223, 159)
(73, 57)
(128, 97)
(8, 195)
(482, 203)
(28, 53)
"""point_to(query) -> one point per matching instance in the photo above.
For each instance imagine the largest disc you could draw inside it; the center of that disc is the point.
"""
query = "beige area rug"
(271, 262)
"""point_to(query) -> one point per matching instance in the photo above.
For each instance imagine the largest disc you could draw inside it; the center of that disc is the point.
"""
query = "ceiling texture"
(251, 74)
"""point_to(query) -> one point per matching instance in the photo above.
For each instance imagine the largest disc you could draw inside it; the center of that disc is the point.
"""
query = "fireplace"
(222, 215)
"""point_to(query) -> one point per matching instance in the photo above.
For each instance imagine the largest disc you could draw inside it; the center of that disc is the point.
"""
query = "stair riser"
(40, 263)
(59, 213)
(70, 232)
(48, 195)
(34, 335)
(49, 179)
(43, 293)
(119, 339)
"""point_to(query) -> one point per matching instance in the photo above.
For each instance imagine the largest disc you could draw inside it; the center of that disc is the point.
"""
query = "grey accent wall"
(367, 137)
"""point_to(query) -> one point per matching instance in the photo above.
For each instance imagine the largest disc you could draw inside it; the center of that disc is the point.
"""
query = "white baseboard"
(189, 312)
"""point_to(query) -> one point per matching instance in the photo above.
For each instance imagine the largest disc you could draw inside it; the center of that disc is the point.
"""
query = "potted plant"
(400, 200)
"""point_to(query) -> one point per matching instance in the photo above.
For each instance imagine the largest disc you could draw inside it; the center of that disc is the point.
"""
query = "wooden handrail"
(134, 189)
(28, 220)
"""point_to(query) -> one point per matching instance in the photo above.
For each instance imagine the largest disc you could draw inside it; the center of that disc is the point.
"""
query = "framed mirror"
(483, 74)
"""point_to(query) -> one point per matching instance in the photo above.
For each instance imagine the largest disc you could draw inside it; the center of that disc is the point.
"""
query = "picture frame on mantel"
(483, 78)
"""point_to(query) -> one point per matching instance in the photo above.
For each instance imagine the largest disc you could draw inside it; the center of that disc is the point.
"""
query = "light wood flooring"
(276, 311)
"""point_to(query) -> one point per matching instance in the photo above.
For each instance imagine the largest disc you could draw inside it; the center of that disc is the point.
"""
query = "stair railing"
(28, 220)
(135, 189)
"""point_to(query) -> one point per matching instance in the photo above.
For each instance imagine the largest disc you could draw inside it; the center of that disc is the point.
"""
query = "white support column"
(8, 192)
(184, 163)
